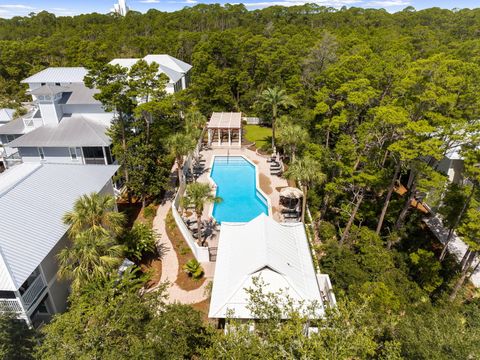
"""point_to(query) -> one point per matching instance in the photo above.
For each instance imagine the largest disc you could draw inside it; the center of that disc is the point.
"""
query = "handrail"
(31, 294)
(10, 305)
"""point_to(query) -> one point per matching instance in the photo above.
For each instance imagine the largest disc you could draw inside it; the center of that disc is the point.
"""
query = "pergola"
(223, 124)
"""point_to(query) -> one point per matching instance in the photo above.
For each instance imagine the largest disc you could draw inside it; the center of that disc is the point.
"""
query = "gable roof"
(32, 206)
(225, 120)
(168, 65)
(169, 61)
(58, 74)
(14, 127)
(279, 253)
(6, 115)
(77, 130)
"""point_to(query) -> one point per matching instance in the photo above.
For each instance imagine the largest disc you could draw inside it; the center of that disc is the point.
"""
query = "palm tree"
(181, 145)
(94, 225)
(194, 122)
(197, 195)
(274, 98)
(291, 137)
(307, 171)
(91, 256)
(94, 213)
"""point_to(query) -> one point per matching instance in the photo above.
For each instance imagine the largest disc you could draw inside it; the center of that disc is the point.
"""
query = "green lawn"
(260, 135)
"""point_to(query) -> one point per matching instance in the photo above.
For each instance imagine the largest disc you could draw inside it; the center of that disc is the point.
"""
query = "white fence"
(201, 253)
(10, 305)
(34, 291)
(252, 120)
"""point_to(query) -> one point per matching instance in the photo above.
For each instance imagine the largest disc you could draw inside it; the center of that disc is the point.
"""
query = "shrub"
(149, 212)
(193, 269)
(140, 240)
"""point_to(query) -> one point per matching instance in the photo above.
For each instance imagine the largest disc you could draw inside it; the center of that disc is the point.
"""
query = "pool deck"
(269, 184)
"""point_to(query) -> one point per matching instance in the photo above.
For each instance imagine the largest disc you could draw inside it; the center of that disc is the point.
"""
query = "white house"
(279, 254)
(176, 70)
(121, 8)
(66, 124)
(6, 115)
(33, 199)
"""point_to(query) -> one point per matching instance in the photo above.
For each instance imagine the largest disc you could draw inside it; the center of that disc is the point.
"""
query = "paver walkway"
(170, 263)
(456, 246)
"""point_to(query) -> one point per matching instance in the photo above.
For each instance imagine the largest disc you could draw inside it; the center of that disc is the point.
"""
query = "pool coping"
(257, 183)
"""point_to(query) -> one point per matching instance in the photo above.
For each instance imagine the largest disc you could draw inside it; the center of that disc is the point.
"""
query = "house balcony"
(11, 306)
(95, 161)
(33, 291)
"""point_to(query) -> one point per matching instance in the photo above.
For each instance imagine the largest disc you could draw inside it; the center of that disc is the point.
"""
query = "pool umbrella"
(291, 193)
(291, 196)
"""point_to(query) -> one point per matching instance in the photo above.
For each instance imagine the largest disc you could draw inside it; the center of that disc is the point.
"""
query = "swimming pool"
(236, 182)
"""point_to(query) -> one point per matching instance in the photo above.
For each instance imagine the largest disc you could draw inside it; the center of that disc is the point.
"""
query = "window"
(73, 153)
(42, 84)
(10, 138)
(41, 153)
(57, 84)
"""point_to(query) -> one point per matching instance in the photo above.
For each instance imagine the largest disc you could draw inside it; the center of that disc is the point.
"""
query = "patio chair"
(289, 211)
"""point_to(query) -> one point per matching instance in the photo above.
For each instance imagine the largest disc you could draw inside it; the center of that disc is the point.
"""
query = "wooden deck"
(402, 190)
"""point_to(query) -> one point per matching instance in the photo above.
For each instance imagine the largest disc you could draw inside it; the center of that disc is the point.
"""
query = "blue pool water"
(236, 185)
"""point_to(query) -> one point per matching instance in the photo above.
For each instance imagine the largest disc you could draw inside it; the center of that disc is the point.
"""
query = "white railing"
(326, 290)
(201, 253)
(10, 305)
(33, 291)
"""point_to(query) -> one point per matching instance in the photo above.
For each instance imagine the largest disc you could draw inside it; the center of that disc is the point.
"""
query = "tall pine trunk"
(463, 276)
(274, 120)
(387, 199)
(352, 217)
(125, 162)
(406, 207)
(445, 247)
(457, 222)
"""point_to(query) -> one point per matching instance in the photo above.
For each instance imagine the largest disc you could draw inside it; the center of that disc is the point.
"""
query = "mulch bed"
(152, 265)
(184, 254)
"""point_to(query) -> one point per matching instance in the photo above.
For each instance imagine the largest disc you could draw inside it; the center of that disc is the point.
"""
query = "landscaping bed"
(184, 254)
(150, 263)
(153, 266)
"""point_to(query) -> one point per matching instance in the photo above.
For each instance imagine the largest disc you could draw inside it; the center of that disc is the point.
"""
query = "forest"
(367, 102)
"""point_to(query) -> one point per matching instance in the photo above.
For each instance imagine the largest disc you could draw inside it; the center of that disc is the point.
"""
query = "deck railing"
(201, 252)
(10, 305)
(33, 291)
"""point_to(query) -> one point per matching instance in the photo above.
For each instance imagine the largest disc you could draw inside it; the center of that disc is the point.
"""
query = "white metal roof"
(168, 65)
(225, 120)
(58, 74)
(32, 210)
(77, 130)
(14, 127)
(6, 115)
(277, 252)
(169, 61)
